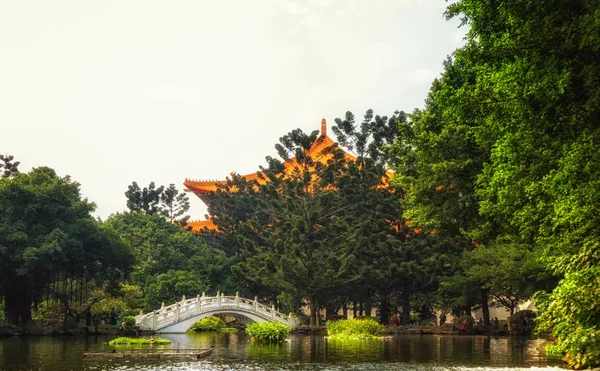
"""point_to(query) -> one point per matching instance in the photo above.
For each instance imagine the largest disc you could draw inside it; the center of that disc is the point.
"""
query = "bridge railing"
(187, 308)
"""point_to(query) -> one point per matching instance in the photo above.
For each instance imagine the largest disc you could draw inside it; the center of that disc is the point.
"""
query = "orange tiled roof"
(199, 225)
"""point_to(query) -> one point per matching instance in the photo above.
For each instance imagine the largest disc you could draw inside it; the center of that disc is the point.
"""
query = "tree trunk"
(405, 318)
(485, 310)
(345, 310)
(313, 312)
(317, 313)
(354, 309)
(330, 311)
(17, 301)
(368, 307)
(384, 310)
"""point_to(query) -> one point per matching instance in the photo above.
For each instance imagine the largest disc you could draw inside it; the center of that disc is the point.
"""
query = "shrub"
(208, 324)
(269, 332)
(354, 329)
(125, 341)
(553, 349)
(129, 320)
(571, 313)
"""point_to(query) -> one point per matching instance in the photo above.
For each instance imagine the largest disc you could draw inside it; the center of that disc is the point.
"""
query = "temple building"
(204, 188)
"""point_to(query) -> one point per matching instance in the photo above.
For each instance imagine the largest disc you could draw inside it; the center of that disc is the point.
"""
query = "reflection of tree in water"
(516, 348)
(355, 350)
(234, 351)
(268, 351)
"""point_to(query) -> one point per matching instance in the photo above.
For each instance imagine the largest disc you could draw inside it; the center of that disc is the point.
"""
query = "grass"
(354, 329)
(268, 332)
(126, 341)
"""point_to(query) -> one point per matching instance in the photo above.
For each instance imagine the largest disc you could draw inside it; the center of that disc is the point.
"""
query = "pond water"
(234, 351)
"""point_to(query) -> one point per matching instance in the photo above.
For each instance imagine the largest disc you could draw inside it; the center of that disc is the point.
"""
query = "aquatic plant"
(127, 341)
(270, 332)
(366, 328)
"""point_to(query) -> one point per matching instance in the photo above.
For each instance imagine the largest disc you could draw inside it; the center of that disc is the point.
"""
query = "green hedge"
(354, 329)
(269, 332)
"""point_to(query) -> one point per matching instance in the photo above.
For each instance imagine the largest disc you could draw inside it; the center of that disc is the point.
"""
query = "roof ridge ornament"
(323, 127)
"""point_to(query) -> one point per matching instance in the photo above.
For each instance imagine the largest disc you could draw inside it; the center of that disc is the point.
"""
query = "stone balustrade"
(167, 317)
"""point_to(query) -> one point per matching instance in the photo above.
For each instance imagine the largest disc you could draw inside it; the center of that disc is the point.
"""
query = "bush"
(129, 320)
(125, 341)
(553, 349)
(208, 324)
(571, 313)
(367, 328)
(269, 332)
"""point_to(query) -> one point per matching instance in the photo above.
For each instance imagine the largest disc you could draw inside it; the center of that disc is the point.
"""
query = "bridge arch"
(179, 317)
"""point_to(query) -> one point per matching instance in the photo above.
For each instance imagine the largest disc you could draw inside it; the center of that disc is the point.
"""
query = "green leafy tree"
(511, 272)
(175, 204)
(146, 199)
(438, 160)
(536, 97)
(571, 313)
(47, 237)
(291, 225)
(7, 166)
(396, 260)
(160, 247)
(171, 286)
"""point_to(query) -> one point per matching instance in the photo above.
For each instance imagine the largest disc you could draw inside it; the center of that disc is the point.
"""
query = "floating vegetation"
(126, 341)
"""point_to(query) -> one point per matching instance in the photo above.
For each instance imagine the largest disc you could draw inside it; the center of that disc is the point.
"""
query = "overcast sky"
(117, 91)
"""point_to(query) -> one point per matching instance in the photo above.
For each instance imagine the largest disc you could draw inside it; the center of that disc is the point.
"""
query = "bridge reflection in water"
(178, 317)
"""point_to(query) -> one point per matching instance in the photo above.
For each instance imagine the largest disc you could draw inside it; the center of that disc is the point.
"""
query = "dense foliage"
(302, 230)
(51, 248)
(505, 157)
(366, 328)
(268, 332)
(8, 166)
(159, 200)
(169, 261)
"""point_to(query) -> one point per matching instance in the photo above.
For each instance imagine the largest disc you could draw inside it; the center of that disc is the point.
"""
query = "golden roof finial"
(323, 127)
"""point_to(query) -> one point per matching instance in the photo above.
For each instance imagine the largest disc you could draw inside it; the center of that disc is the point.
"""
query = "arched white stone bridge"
(179, 317)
